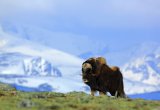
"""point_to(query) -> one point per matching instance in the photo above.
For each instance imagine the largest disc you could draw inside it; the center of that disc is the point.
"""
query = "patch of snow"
(145, 69)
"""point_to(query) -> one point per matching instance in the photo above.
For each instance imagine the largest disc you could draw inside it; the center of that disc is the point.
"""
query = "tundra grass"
(10, 99)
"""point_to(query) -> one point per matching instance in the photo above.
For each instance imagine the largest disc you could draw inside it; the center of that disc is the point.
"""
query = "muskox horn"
(86, 67)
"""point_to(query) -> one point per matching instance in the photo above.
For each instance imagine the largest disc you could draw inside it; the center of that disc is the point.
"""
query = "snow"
(144, 69)
(76, 44)
(30, 65)
(136, 87)
(26, 64)
(59, 84)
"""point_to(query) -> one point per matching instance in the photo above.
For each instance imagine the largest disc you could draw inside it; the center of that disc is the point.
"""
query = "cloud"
(107, 21)
(22, 6)
(90, 13)
(113, 13)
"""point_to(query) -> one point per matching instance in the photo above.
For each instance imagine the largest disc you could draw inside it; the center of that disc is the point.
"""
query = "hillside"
(15, 100)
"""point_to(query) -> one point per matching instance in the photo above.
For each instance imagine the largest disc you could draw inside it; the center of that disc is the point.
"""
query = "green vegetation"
(10, 99)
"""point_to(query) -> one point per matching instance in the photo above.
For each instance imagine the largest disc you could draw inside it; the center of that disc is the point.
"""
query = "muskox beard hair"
(95, 84)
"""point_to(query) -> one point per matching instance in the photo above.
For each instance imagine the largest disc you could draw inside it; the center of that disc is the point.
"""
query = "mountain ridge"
(39, 59)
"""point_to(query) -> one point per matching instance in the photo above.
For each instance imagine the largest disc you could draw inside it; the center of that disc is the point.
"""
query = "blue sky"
(118, 23)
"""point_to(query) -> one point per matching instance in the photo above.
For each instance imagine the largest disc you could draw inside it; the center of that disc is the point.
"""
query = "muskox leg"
(116, 94)
(121, 92)
(113, 93)
(102, 93)
(122, 95)
(93, 92)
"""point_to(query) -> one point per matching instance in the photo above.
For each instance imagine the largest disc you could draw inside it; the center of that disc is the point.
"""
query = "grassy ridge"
(10, 99)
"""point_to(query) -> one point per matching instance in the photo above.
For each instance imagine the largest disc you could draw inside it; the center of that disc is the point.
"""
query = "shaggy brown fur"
(99, 62)
(100, 77)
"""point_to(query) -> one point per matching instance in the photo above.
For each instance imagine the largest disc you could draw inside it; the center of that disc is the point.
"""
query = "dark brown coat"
(100, 77)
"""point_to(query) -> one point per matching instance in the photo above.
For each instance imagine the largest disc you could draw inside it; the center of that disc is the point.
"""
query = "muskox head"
(91, 68)
(88, 68)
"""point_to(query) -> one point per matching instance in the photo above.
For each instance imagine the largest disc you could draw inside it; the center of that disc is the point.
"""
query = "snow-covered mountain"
(145, 69)
(79, 45)
(12, 44)
(13, 63)
(30, 66)
(76, 44)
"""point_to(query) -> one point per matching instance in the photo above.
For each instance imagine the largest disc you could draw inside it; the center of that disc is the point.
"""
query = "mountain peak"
(144, 69)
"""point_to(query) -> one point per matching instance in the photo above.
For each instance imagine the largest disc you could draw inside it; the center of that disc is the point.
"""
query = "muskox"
(100, 77)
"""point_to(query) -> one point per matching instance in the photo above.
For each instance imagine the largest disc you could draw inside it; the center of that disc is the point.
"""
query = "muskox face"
(86, 72)
(91, 68)
(86, 68)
